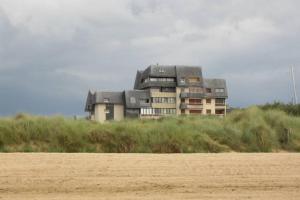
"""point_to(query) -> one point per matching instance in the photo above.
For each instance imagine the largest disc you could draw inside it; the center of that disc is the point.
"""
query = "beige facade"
(100, 114)
(118, 112)
(161, 91)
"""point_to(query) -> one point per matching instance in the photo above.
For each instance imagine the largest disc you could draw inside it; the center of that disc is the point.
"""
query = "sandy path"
(149, 176)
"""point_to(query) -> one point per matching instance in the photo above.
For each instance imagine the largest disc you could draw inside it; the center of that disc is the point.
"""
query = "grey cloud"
(53, 52)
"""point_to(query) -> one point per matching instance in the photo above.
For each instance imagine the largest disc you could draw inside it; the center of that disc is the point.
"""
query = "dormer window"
(219, 90)
(208, 90)
(161, 70)
(182, 80)
(106, 100)
(132, 100)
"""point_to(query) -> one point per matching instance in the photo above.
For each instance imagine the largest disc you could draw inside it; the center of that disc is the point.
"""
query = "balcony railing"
(190, 106)
(191, 95)
(158, 84)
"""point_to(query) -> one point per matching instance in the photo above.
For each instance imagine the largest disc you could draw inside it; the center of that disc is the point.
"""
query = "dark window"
(195, 101)
(208, 90)
(144, 100)
(220, 101)
(109, 110)
(195, 111)
(168, 89)
(208, 101)
(220, 112)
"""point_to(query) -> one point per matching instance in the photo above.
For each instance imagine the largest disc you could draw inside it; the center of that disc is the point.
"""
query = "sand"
(150, 176)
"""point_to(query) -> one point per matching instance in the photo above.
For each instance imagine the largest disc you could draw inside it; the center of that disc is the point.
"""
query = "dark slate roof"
(133, 97)
(98, 98)
(138, 79)
(189, 71)
(114, 97)
(161, 71)
(215, 84)
(175, 71)
(89, 101)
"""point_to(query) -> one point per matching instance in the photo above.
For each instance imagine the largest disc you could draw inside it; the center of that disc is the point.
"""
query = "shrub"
(247, 130)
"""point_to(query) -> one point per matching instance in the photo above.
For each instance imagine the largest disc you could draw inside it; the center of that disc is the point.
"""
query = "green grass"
(289, 108)
(248, 130)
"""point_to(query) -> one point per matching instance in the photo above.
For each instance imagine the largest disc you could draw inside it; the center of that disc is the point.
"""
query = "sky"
(53, 51)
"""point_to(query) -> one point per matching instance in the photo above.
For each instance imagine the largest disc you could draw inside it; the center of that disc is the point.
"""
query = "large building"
(159, 91)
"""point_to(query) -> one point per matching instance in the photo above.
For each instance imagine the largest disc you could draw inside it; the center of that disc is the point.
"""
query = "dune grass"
(249, 130)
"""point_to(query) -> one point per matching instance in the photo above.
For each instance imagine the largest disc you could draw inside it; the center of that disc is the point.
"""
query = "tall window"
(170, 100)
(158, 111)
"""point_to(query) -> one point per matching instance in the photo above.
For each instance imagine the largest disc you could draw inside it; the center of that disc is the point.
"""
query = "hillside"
(249, 130)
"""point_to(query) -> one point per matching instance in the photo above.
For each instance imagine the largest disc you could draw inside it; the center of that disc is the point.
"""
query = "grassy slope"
(250, 130)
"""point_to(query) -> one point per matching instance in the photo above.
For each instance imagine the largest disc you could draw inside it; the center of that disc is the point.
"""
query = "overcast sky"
(53, 51)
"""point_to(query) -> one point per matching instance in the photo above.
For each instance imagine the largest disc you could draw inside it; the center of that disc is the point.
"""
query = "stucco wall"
(100, 115)
(162, 94)
(212, 106)
(118, 112)
(178, 111)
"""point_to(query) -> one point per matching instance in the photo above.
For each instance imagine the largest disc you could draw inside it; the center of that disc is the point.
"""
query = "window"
(196, 112)
(220, 112)
(182, 100)
(170, 80)
(144, 100)
(153, 79)
(208, 111)
(220, 102)
(195, 101)
(161, 70)
(168, 89)
(182, 111)
(182, 80)
(194, 79)
(195, 90)
(158, 111)
(219, 90)
(132, 100)
(146, 80)
(208, 101)
(170, 100)
(208, 90)
(106, 100)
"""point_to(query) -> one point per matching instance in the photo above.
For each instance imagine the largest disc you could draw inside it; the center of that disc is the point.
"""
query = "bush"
(248, 130)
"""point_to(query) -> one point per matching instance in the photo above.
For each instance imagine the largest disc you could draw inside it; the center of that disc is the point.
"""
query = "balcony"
(158, 84)
(191, 95)
(190, 106)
